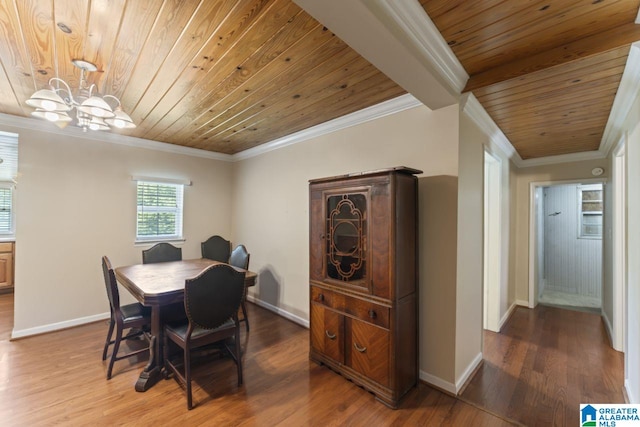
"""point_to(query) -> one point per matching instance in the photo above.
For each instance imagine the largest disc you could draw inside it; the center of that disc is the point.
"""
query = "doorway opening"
(566, 234)
(492, 242)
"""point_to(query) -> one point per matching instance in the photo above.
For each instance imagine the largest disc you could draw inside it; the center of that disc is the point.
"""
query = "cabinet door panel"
(316, 236)
(346, 237)
(381, 231)
(327, 332)
(334, 335)
(369, 351)
(317, 327)
(6, 270)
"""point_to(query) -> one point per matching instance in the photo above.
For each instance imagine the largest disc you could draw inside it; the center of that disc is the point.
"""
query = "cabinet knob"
(372, 314)
(330, 335)
(360, 349)
(320, 297)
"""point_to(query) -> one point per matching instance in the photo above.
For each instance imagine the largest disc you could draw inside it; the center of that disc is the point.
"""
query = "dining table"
(161, 286)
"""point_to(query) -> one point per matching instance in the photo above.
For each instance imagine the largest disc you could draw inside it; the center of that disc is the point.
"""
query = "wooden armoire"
(363, 252)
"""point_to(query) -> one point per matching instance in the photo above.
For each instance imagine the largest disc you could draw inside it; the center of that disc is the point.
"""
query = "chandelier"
(92, 111)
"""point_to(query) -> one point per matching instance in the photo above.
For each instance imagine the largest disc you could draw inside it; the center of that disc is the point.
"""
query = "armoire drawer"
(327, 298)
(363, 310)
(367, 311)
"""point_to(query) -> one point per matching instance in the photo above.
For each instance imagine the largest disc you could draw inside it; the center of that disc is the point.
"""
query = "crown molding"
(408, 20)
(386, 108)
(114, 138)
(623, 102)
(377, 111)
(470, 105)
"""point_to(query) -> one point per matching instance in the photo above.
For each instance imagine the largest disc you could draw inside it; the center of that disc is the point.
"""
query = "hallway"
(544, 364)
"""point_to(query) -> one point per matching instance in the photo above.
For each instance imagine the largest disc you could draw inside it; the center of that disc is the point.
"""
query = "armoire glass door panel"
(346, 242)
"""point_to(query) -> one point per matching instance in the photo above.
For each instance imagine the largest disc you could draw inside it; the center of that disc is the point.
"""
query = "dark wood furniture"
(216, 248)
(134, 317)
(161, 252)
(212, 300)
(240, 258)
(363, 278)
(159, 286)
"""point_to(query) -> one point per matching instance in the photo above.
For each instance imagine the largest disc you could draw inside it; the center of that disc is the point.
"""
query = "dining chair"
(216, 248)
(240, 258)
(161, 252)
(211, 300)
(135, 317)
(166, 252)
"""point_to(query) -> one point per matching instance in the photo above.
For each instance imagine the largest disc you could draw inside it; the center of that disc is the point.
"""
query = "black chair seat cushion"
(180, 330)
(135, 311)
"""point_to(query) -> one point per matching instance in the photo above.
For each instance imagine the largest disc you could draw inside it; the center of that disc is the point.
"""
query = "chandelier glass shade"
(92, 111)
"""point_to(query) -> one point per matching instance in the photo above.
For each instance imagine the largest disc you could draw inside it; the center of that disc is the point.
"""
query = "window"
(6, 209)
(159, 211)
(8, 172)
(590, 211)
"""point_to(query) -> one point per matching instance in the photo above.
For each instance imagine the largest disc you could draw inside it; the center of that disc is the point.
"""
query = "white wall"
(632, 355)
(608, 254)
(469, 287)
(75, 202)
(473, 142)
(614, 245)
(270, 214)
(573, 265)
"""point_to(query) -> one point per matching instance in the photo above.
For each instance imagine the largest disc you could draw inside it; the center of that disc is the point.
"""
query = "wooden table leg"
(153, 371)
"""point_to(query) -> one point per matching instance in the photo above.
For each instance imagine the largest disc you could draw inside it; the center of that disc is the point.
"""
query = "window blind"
(159, 213)
(6, 210)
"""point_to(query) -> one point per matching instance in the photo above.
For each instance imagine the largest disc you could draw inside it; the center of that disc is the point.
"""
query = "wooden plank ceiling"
(219, 75)
(547, 72)
(228, 75)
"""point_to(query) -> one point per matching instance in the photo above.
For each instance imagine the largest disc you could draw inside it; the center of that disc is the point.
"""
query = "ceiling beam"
(592, 45)
(361, 28)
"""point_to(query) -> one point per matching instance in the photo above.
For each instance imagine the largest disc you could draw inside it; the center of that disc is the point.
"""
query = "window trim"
(179, 185)
(581, 213)
(10, 235)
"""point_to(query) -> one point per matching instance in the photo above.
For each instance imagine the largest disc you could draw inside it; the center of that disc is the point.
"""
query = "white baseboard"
(506, 316)
(608, 328)
(280, 312)
(447, 386)
(522, 303)
(22, 333)
(466, 375)
(630, 396)
(438, 382)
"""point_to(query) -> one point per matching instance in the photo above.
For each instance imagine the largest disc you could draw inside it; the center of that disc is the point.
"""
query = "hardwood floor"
(543, 364)
(59, 379)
